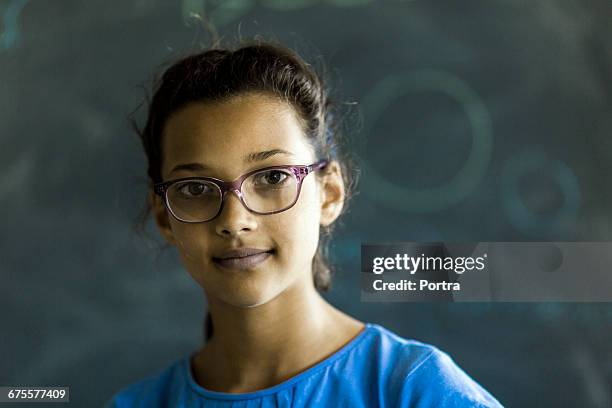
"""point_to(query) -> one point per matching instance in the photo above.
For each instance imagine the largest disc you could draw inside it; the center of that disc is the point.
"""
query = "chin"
(249, 295)
(249, 306)
(246, 289)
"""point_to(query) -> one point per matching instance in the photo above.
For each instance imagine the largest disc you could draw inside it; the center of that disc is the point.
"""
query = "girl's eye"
(194, 189)
(271, 177)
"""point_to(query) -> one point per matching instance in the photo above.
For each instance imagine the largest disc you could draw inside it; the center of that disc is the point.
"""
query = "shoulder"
(394, 356)
(156, 390)
(421, 375)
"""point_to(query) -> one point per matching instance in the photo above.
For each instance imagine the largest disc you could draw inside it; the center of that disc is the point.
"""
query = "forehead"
(221, 135)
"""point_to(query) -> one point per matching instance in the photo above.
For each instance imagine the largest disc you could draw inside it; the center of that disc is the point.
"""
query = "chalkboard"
(474, 120)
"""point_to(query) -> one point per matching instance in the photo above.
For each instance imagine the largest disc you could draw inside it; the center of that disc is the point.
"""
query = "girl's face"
(216, 139)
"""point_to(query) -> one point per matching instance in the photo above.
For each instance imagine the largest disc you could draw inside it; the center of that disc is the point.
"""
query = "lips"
(240, 253)
(242, 258)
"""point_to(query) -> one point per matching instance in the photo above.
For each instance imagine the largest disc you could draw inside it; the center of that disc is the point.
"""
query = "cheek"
(298, 228)
(192, 243)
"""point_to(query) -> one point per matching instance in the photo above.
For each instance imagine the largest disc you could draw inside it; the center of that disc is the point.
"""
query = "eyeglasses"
(269, 190)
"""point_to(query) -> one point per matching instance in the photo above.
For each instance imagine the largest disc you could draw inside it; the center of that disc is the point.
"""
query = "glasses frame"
(224, 187)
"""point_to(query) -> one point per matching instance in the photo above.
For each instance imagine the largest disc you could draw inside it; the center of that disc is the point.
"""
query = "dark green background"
(519, 90)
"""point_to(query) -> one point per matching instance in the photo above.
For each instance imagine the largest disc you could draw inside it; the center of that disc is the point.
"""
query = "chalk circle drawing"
(9, 31)
(458, 187)
(530, 163)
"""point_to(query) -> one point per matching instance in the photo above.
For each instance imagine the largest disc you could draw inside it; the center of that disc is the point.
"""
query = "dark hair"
(256, 66)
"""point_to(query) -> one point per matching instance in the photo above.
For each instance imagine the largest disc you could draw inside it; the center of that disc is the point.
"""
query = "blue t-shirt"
(375, 369)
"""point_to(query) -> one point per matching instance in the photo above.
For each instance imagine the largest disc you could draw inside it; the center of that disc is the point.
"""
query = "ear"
(332, 193)
(162, 218)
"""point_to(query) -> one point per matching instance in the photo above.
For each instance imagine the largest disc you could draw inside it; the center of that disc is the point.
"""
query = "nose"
(235, 218)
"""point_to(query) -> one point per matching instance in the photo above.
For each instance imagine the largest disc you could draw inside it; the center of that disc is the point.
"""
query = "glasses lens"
(270, 190)
(194, 200)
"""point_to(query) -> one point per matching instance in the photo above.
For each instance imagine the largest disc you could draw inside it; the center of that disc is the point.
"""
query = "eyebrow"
(250, 158)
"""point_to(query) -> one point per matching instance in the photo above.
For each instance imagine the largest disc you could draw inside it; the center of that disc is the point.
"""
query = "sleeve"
(151, 392)
(438, 382)
(138, 395)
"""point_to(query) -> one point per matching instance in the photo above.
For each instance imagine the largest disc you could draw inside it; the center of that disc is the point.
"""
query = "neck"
(254, 348)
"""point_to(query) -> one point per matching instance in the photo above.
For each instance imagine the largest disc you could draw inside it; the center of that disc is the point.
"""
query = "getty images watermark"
(487, 271)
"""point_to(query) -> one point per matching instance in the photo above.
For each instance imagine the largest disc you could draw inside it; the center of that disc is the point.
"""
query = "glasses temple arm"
(318, 165)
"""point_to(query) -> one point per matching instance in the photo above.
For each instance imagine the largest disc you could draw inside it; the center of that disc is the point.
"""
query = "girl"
(247, 179)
